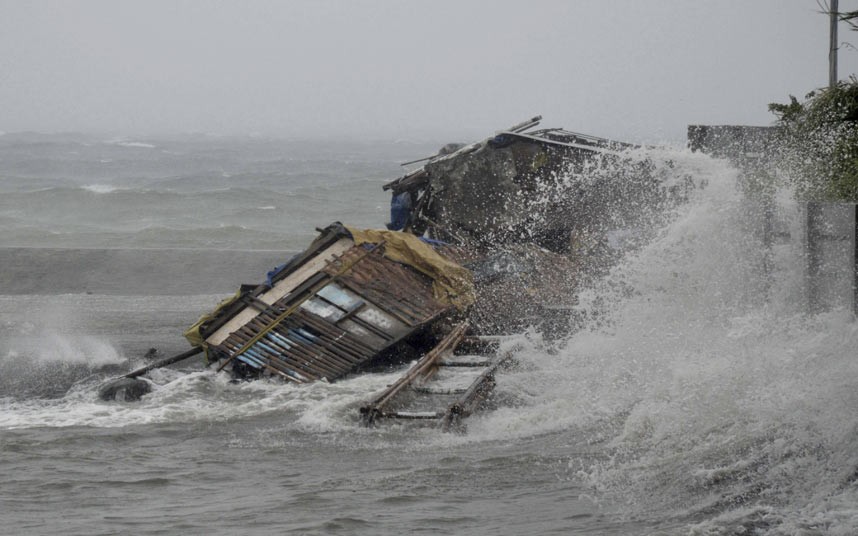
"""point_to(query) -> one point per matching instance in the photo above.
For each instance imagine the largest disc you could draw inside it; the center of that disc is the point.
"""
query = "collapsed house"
(506, 189)
(538, 213)
(484, 240)
(353, 300)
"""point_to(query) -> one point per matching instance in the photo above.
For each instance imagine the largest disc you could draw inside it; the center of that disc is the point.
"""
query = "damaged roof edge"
(553, 136)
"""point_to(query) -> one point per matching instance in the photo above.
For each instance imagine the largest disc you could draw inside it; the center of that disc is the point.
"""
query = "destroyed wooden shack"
(354, 299)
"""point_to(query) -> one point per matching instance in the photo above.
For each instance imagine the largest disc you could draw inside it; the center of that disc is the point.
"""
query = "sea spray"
(716, 400)
(43, 357)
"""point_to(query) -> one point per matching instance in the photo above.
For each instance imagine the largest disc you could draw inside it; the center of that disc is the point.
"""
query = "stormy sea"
(698, 397)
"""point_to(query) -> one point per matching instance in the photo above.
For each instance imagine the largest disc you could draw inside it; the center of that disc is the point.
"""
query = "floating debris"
(441, 387)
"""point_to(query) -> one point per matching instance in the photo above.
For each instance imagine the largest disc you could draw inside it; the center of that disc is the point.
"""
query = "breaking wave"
(100, 188)
(48, 364)
(711, 393)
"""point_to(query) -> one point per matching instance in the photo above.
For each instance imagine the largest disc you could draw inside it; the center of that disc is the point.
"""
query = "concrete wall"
(829, 228)
(831, 256)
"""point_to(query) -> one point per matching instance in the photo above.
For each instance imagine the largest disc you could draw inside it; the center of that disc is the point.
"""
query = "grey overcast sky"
(628, 69)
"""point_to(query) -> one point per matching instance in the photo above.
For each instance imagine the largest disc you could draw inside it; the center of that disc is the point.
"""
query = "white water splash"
(51, 346)
(714, 396)
(101, 188)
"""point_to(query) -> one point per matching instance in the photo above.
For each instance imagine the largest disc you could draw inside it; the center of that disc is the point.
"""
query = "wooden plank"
(281, 289)
(377, 408)
(416, 415)
(280, 337)
(431, 391)
(293, 360)
(299, 300)
(476, 393)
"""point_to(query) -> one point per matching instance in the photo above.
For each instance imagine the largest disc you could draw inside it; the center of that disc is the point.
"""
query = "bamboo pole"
(164, 362)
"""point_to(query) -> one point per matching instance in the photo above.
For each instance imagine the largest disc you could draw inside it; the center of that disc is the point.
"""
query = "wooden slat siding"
(310, 261)
(293, 360)
(344, 337)
(273, 367)
(312, 319)
(307, 360)
(345, 342)
(397, 299)
(299, 366)
(402, 292)
(317, 355)
(287, 301)
(321, 345)
(329, 350)
(303, 292)
(400, 287)
(239, 339)
(316, 351)
(343, 360)
(332, 365)
(369, 339)
(372, 328)
(342, 354)
(399, 309)
(279, 351)
(260, 362)
(288, 374)
(249, 360)
(324, 361)
(375, 330)
(354, 313)
(378, 268)
(299, 321)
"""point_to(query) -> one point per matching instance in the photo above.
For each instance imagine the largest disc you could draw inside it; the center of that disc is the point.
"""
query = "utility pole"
(832, 45)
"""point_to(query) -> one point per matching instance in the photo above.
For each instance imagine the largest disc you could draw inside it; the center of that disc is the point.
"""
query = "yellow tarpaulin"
(452, 283)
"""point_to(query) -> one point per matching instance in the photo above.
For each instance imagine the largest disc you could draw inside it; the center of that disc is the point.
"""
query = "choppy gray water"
(703, 400)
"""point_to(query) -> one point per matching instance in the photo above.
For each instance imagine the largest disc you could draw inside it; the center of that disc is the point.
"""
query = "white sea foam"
(204, 396)
(100, 188)
(131, 144)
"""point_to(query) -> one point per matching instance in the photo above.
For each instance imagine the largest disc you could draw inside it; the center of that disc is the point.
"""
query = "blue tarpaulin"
(400, 211)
